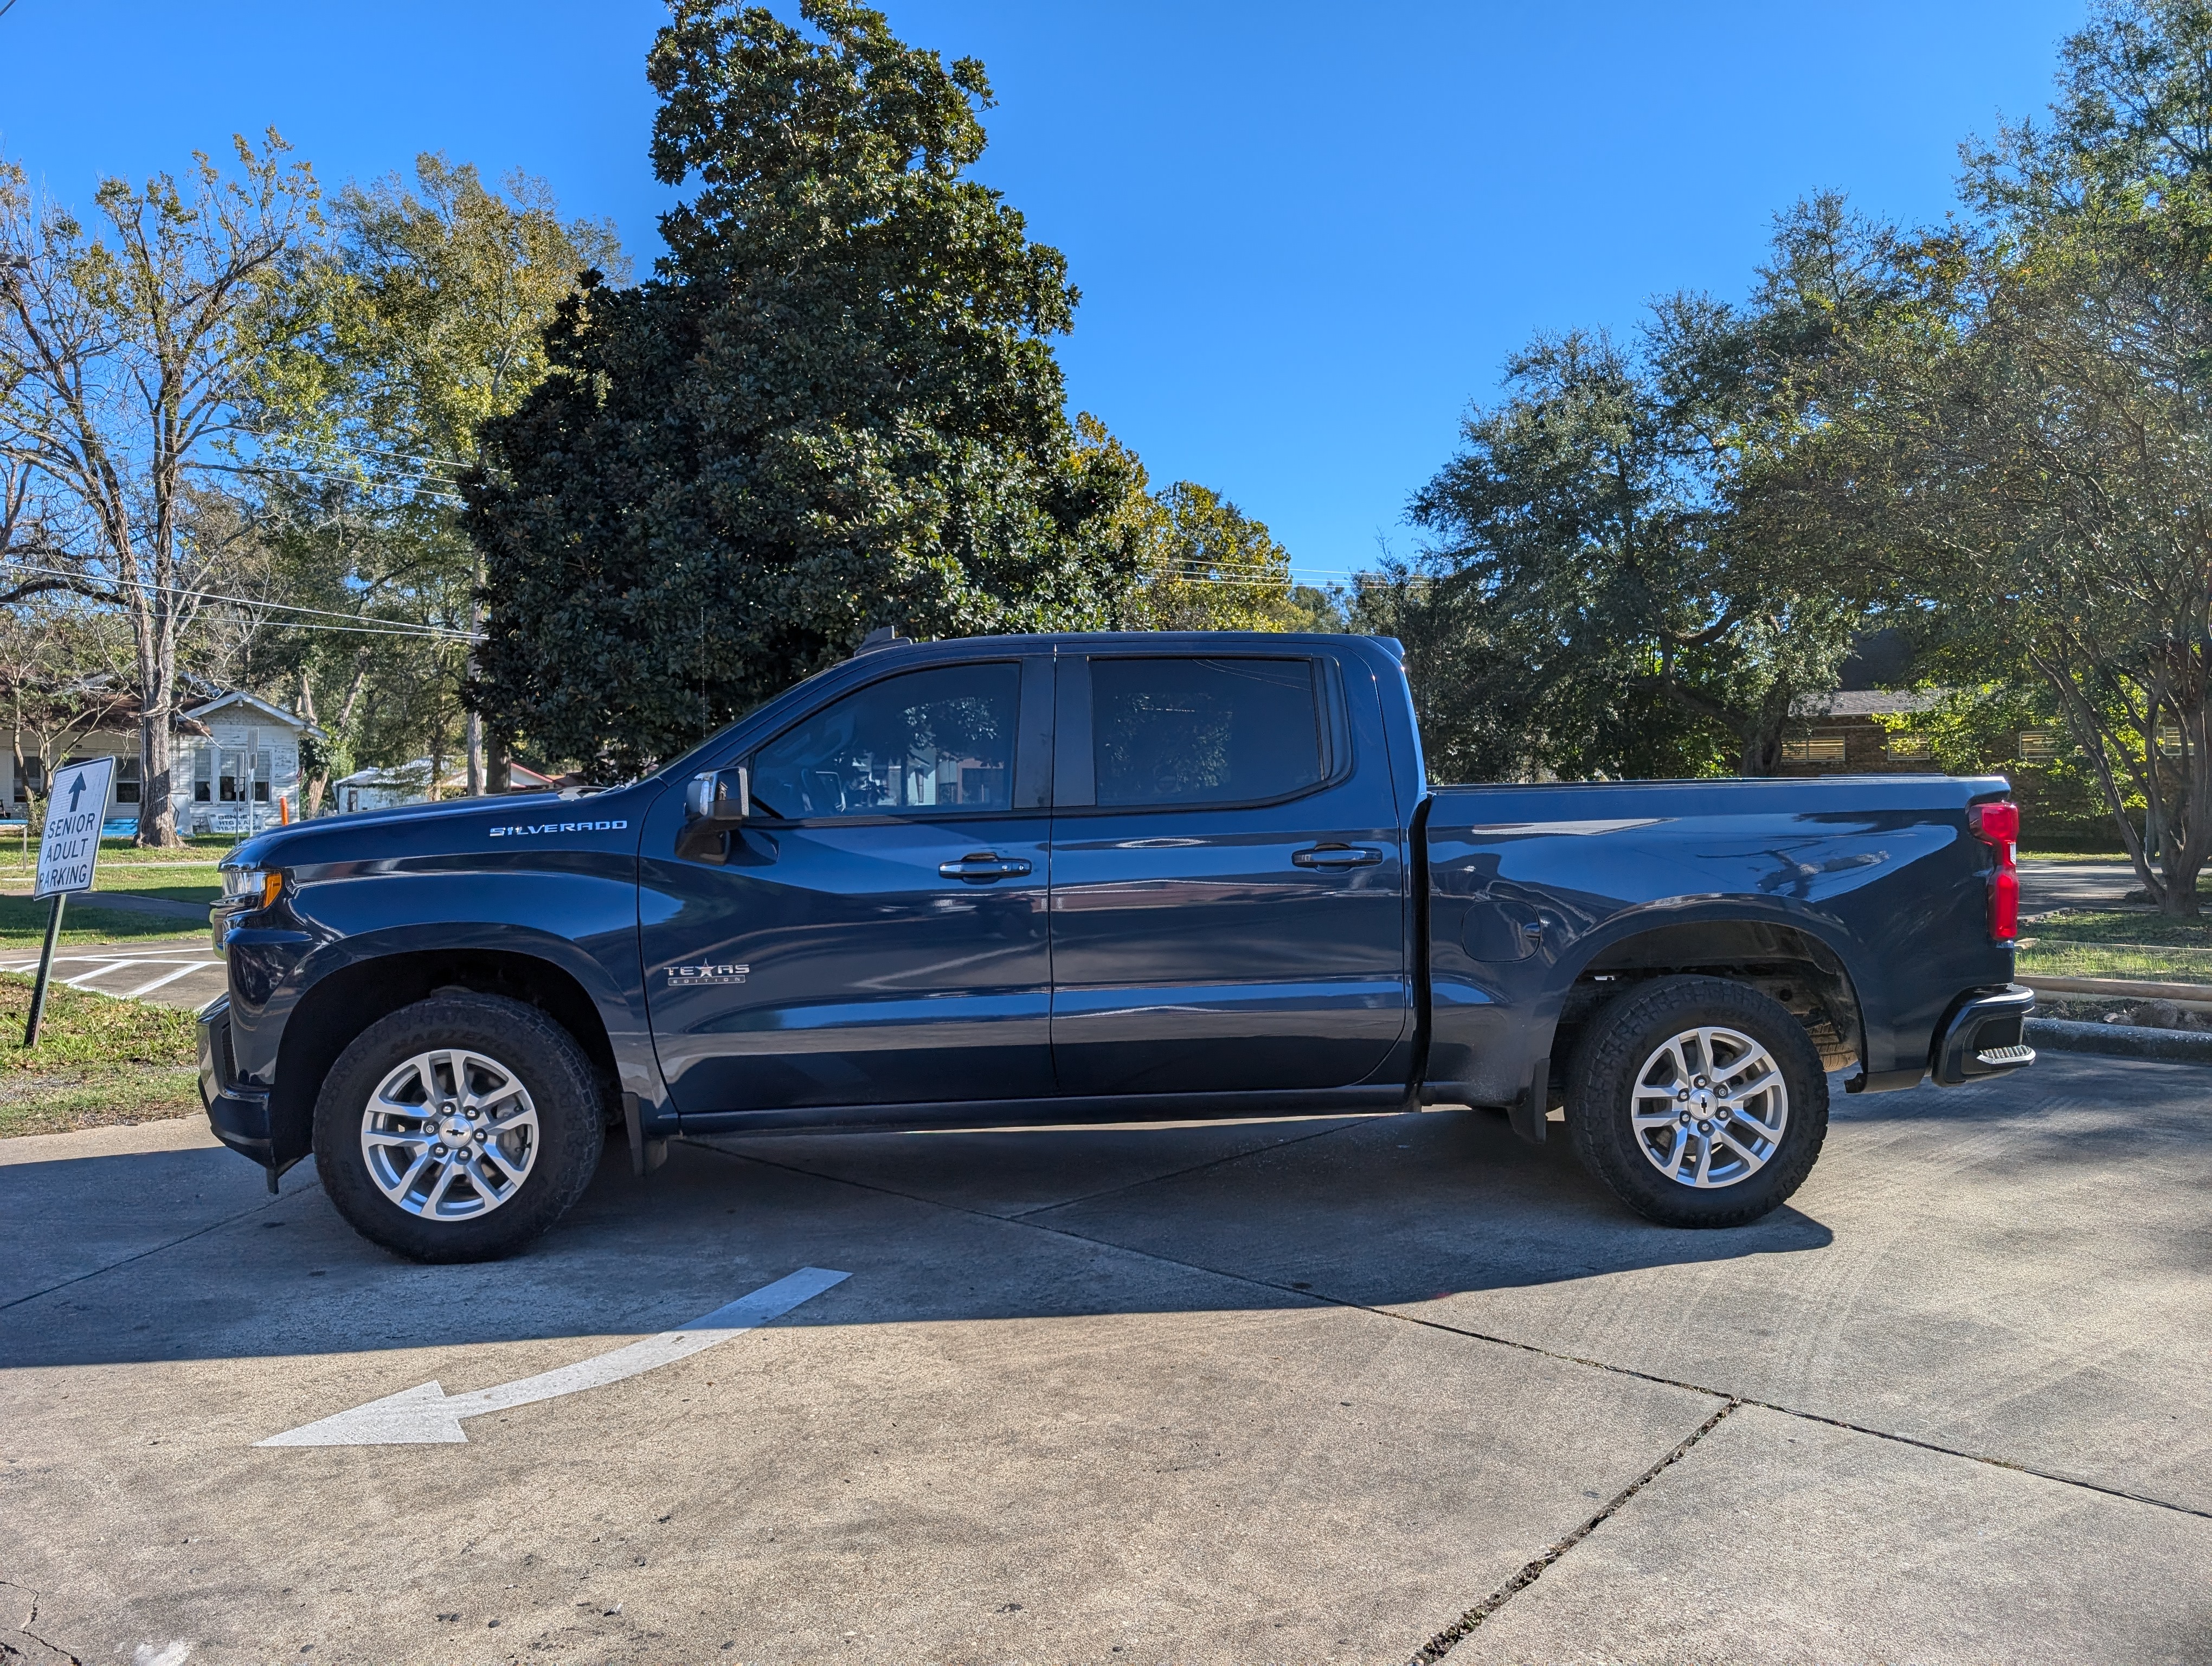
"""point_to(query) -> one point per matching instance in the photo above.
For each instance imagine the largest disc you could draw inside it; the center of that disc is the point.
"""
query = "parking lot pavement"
(1246, 1392)
(2075, 885)
(181, 974)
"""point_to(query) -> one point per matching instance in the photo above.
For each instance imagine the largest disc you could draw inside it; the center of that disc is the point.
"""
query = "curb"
(2127, 1041)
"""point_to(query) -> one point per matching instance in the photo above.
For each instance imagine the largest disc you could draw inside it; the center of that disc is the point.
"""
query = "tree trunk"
(499, 770)
(157, 809)
(475, 727)
(312, 783)
(476, 750)
(1762, 732)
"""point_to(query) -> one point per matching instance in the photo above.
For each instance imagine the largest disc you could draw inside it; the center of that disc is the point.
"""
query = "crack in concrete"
(1452, 1635)
(24, 1630)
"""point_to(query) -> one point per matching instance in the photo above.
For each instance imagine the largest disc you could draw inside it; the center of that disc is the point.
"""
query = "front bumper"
(238, 1116)
(1982, 1036)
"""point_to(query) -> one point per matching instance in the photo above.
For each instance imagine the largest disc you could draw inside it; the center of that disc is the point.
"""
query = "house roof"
(249, 703)
(1864, 702)
(416, 773)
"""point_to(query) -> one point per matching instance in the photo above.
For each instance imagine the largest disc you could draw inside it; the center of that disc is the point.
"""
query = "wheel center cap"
(455, 1130)
(1702, 1101)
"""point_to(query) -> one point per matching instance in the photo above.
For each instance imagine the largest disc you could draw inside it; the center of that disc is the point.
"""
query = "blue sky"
(1307, 236)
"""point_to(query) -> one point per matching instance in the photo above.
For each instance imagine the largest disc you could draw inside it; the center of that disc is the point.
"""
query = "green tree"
(435, 297)
(1595, 596)
(2028, 425)
(835, 405)
(129, 360)
(1198, 561)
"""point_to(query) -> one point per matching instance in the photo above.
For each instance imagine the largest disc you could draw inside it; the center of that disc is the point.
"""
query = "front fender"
(581, 922)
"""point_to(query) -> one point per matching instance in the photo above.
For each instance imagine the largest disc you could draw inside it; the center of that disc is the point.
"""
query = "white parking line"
(102, 971)
(186, 970)
(101, 965)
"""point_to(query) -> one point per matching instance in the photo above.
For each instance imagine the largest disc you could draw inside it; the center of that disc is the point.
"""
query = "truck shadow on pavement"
(179, 1256)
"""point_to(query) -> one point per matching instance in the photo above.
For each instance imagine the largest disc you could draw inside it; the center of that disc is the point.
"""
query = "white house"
(242, 773)
(234, 767)
(410, 783)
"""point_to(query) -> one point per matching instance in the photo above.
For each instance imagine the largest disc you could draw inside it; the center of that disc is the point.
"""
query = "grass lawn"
(194, 884)
(2119, 856)
(98, 1061)
(119, 853)
(23, 925)
(2112, 943)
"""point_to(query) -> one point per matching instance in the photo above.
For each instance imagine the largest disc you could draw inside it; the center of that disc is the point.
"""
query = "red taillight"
(1997, 826)
(2004, 904)
(1998, 822)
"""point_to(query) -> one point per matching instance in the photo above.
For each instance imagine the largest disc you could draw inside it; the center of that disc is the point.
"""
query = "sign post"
(69, 851)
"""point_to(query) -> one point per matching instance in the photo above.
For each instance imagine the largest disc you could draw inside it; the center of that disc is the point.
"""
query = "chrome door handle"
(983, 865)
(1337, 855)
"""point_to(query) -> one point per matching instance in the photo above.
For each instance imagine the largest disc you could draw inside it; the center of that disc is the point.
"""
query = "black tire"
(562, 1150)
(1603, 1096)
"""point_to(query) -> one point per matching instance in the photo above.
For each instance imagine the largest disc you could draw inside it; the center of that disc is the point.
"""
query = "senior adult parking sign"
(67, 855)
(70, 848)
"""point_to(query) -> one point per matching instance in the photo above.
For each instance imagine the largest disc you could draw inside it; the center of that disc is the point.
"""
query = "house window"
(2169, 740)
(1908, 749)
(126, 781)
(1827, 748)
(231, 779)
(2038, 746)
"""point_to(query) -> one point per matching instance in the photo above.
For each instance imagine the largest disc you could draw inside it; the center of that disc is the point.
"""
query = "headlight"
(251, 887)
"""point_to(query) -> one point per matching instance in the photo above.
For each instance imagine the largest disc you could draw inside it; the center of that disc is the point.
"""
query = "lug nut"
(1701, 1081)
(1704, 1128)
(1684, 1119)
(437, 1151)
(1684, 1094)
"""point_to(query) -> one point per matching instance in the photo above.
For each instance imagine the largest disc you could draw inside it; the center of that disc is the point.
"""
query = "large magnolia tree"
(834, 406)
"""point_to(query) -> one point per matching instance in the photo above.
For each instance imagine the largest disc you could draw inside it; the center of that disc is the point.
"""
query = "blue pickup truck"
(1023, 880)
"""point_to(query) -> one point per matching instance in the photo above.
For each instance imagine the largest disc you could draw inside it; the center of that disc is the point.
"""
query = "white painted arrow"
(428, 1414)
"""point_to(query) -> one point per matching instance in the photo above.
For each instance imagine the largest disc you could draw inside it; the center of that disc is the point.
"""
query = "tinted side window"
(1204, 731)
(942, 739)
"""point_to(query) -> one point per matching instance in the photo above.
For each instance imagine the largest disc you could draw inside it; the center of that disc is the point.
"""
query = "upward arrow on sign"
(76, 791)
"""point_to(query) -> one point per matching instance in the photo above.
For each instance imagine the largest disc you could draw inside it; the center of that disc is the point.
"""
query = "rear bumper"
(238, 1116)
(1982, 1036)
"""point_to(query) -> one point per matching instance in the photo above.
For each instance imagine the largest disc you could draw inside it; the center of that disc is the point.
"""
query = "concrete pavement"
(1251, 1392)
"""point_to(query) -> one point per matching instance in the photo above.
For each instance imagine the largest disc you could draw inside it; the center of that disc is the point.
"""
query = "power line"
(359, 621)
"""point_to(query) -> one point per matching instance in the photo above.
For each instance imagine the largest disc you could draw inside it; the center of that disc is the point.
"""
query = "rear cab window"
(1200, 730)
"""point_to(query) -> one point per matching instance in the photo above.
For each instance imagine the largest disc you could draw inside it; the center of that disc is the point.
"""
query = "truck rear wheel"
(1699, 1102)
(458, 1129)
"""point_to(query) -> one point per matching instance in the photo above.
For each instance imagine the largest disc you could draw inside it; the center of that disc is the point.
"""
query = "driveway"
(2075, 885)
(1254, 1392)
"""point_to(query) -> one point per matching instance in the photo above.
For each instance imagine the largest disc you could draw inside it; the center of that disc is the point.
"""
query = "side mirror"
(720, 798)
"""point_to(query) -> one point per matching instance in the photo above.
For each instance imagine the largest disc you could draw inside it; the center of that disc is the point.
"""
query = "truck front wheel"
(1699, 1102)
(458, 1128)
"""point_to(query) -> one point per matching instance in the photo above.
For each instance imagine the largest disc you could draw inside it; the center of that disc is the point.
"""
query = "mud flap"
(1529, 1113)
(645, 1155)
